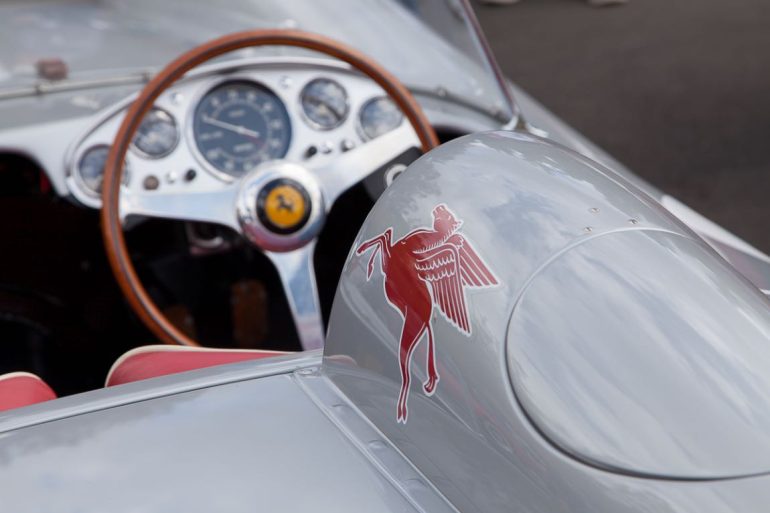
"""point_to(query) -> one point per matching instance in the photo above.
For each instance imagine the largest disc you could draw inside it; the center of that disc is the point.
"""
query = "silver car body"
(670, 362)
(620, 365)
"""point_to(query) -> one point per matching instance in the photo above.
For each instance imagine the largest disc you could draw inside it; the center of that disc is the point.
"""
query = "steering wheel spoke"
(355, 165)
(297, 274)
(212, 206)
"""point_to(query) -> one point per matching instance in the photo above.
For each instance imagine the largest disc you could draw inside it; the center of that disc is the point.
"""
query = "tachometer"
(324, 103)
(379, 116)
(240, 124)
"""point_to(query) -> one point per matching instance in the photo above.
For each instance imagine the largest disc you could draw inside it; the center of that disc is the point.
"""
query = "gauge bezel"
(314, 124)
(204, 90)
(177, 138)
(80, 181)
(359, 124)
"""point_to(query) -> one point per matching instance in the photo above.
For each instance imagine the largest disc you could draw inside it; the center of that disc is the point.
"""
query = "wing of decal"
(441, 270)
(473, 270)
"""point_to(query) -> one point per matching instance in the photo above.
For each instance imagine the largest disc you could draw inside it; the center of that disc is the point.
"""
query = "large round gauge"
(324, 103)
(90, 169)
(379, 116)
(240, 124)
(157, 135)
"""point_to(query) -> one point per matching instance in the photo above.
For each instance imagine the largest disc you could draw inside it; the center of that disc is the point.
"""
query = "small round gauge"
(90, 168)
(239, 125)
(157, 135)
(324, 103)
(379, 116)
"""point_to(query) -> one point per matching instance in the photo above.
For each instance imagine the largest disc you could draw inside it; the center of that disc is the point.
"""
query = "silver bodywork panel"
(486, 439)
(751, 262)
(658, 364)
(264, 436)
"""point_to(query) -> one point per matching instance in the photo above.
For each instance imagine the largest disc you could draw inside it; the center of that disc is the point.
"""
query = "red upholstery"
(19, 389)
(153, 361)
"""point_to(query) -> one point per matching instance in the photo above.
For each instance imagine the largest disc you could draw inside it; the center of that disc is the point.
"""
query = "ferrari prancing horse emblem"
(427, 267)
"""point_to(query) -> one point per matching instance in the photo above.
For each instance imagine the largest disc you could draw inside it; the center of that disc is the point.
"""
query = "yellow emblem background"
(285, 206)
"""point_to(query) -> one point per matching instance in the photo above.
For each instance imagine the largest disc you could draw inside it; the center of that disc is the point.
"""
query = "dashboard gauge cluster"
(239, 125)
(218, 125)
(379, 116)
(324, 103)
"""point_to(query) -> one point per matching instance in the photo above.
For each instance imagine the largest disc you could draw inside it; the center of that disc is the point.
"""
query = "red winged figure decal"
(427, 268)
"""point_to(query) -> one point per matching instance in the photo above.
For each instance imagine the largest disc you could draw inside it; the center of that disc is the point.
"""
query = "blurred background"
(678, 90)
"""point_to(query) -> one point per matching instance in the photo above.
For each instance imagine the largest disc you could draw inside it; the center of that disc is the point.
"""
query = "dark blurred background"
(678, 90)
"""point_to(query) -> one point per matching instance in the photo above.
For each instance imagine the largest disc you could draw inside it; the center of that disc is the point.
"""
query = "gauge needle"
(233, 128)
(322, 104)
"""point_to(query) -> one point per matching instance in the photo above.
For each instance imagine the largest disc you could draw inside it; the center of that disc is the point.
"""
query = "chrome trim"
(45, 87)
(297, 274)
(353, 166)
(246, 206)
(212, 206)
(494, 66)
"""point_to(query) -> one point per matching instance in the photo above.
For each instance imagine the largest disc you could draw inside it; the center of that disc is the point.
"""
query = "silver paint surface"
(526, 203)
(642, 352)
(749, 261)
(255, 445)
(147, 34)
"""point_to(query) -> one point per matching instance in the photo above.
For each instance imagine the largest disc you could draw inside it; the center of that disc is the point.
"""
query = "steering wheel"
(254, 206)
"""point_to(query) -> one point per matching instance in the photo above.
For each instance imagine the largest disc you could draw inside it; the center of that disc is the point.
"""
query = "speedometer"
(240, 124)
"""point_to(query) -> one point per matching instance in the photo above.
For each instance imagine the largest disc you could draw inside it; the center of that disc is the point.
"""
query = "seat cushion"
(159, 360)
(19, 389)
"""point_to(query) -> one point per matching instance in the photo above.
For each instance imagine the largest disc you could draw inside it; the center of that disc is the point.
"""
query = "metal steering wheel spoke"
(211, 206)
(295, 268)
(355, 165)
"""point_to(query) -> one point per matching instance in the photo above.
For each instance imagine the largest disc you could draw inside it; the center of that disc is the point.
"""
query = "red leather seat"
(152, 361)
(19, 389)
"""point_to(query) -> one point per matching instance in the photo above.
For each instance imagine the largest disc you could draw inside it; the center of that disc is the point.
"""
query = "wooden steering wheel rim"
(112, 230)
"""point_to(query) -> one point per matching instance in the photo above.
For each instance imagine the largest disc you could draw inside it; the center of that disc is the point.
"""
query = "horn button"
(283, 206)
(280, 206)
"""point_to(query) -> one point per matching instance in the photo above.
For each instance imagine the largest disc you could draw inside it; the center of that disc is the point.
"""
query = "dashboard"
(213, 127)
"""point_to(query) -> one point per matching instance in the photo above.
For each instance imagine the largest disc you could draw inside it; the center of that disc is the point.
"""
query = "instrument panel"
(219, 124)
